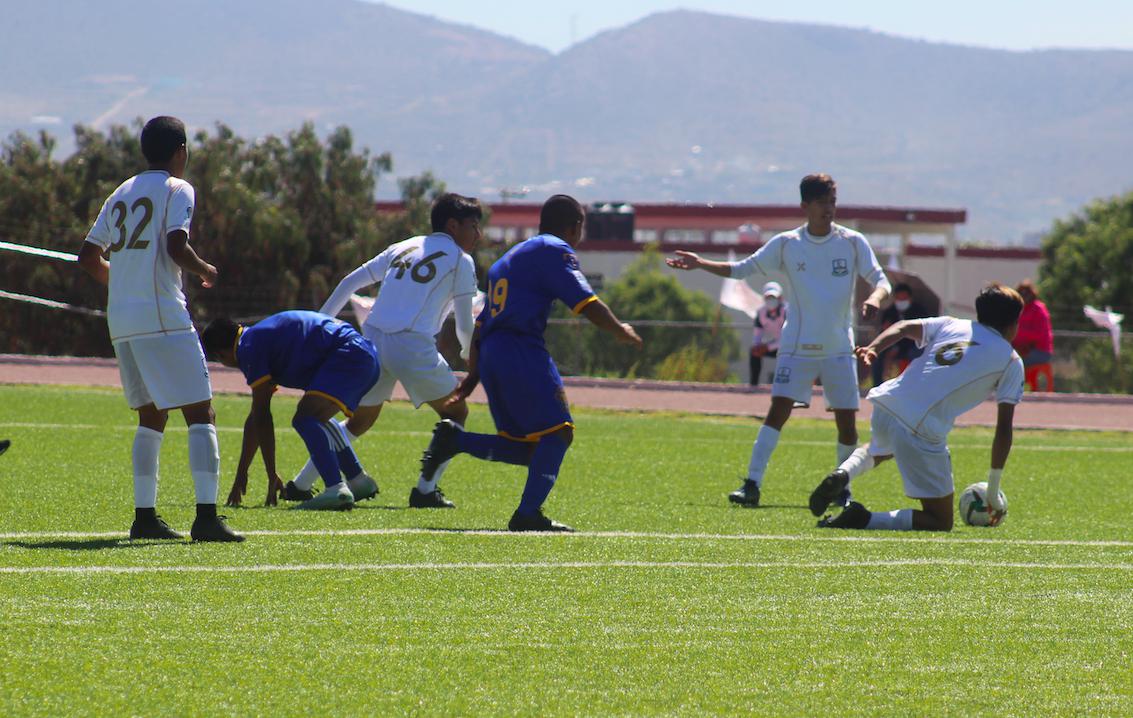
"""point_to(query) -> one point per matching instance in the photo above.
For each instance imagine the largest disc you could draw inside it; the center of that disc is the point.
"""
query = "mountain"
(678, 106)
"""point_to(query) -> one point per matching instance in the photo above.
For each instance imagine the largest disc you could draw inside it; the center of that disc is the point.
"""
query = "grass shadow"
(83, 545)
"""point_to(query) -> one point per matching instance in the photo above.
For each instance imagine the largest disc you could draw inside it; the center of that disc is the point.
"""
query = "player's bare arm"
(691, 260)
(248, 449)
(93, 263)
(872, 305)
(259, 430)
(186, 258)
(600, 316)
(901, 330)
(1000, 450)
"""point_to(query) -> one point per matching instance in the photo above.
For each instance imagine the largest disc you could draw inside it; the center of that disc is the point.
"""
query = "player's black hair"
(902, 287)
(816, 187)
(161, 137)
(998, 307)
(454, 206)
(560, 213)
(219, 335)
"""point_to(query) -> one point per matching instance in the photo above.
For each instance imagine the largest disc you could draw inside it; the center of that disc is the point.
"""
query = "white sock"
(428, 487)
(147, 451)
(844, 451)
(204, 462)
(891, 520)
(346, 432)
(765, 443)
(857, 463)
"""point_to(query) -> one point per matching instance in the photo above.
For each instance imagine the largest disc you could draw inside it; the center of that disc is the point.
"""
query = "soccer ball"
(973, 505)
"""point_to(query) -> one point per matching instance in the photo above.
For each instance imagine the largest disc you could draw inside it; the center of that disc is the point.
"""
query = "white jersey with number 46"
(145, 296)
(420, 276)
(962, 364)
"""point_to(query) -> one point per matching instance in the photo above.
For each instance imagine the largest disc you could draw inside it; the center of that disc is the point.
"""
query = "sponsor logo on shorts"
(839, 268)
(812, 347)
(783, 375)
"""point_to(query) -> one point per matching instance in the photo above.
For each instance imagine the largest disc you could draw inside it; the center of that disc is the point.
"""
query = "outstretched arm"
(692, 260)
(600, 315)
(1000, 450)
(904, 329)
(350, 284)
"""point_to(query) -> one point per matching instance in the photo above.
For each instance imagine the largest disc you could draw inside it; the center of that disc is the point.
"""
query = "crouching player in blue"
(333, 364)
(525, 391)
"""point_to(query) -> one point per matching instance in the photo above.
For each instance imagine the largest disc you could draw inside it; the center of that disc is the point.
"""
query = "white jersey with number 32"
(420, 276)
(962, 364)
(145, 296)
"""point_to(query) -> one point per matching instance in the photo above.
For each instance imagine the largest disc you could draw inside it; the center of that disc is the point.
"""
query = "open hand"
(629, 336)
(866, 354)
(239, 488)
(275, 486)
(683, 260)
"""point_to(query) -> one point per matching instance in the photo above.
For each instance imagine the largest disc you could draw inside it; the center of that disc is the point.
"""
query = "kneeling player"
(963, 362)
(334, 366)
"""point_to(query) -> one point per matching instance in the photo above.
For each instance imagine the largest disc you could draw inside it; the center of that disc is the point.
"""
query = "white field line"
(556, 565)
(635, 535)
(379, 432)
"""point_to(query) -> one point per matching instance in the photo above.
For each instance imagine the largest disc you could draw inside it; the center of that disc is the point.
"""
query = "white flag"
(738, 294)
(1110, 320)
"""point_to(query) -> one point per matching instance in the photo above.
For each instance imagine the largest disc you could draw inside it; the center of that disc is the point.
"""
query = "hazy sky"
(1011, 24)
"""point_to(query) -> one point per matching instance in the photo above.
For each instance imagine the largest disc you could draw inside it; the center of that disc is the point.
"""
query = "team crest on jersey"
(571, 261)
(783, 375)
(839, 268)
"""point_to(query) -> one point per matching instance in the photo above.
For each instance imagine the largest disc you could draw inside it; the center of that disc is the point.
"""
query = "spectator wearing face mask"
(896, 358)
(765, 337)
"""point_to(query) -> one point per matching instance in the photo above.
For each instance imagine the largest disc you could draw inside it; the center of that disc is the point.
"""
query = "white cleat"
(363, 487)
(335, 498)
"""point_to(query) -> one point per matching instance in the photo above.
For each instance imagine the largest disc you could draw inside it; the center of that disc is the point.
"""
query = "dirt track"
(1043, 411)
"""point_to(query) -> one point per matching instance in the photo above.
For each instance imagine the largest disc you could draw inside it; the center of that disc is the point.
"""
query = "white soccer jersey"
(145, 297)
(420, 277)
(821, 274)
(963, 362)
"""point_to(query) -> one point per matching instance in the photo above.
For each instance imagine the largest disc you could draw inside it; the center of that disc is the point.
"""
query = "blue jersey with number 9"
(526, 281)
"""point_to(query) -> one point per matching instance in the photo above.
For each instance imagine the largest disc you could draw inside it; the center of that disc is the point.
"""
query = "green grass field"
(668, 601)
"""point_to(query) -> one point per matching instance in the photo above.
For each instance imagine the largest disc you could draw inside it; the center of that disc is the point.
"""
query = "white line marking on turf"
(945, 539)
(269, 568)
(272, 568)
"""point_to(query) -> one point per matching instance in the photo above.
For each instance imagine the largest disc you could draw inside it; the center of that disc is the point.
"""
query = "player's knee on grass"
(935, 515)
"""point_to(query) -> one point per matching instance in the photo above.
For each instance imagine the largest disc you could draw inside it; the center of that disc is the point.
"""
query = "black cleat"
(746, 495)
(433, 500)
(536, 522)
(829, 491)
(213, 529)
(291, 492)
(442, 447)
(4, 445)
(154, 528)
(854, 516)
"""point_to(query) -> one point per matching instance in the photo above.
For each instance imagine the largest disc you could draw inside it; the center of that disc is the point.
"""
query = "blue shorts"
(525, 391)
(347, 374)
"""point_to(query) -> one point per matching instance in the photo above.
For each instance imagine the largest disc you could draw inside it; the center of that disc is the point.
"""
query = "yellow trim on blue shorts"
(582, 305)
(261, 380)
(538, 434)
(324, 395)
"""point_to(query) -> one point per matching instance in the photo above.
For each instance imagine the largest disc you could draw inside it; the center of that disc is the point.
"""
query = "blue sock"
(495, 448)
(347, 459)
(542, 473)
(315, 436)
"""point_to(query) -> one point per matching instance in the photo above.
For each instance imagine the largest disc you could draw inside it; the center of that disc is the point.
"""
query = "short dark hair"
(560, 213)
(902, 287)
(219, 335)
(998, 307)
(161, 137)
(816, 186)
(454, 206)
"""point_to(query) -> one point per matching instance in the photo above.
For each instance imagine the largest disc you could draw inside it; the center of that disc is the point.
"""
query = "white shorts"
(412, 359)
(926, 467)
(795, 375)
(166, 371)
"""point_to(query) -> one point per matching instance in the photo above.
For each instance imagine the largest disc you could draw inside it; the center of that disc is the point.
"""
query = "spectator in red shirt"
(1035, 340)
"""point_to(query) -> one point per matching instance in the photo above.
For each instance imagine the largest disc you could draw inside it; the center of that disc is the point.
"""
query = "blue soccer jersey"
(309, 351)
(526, 281)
